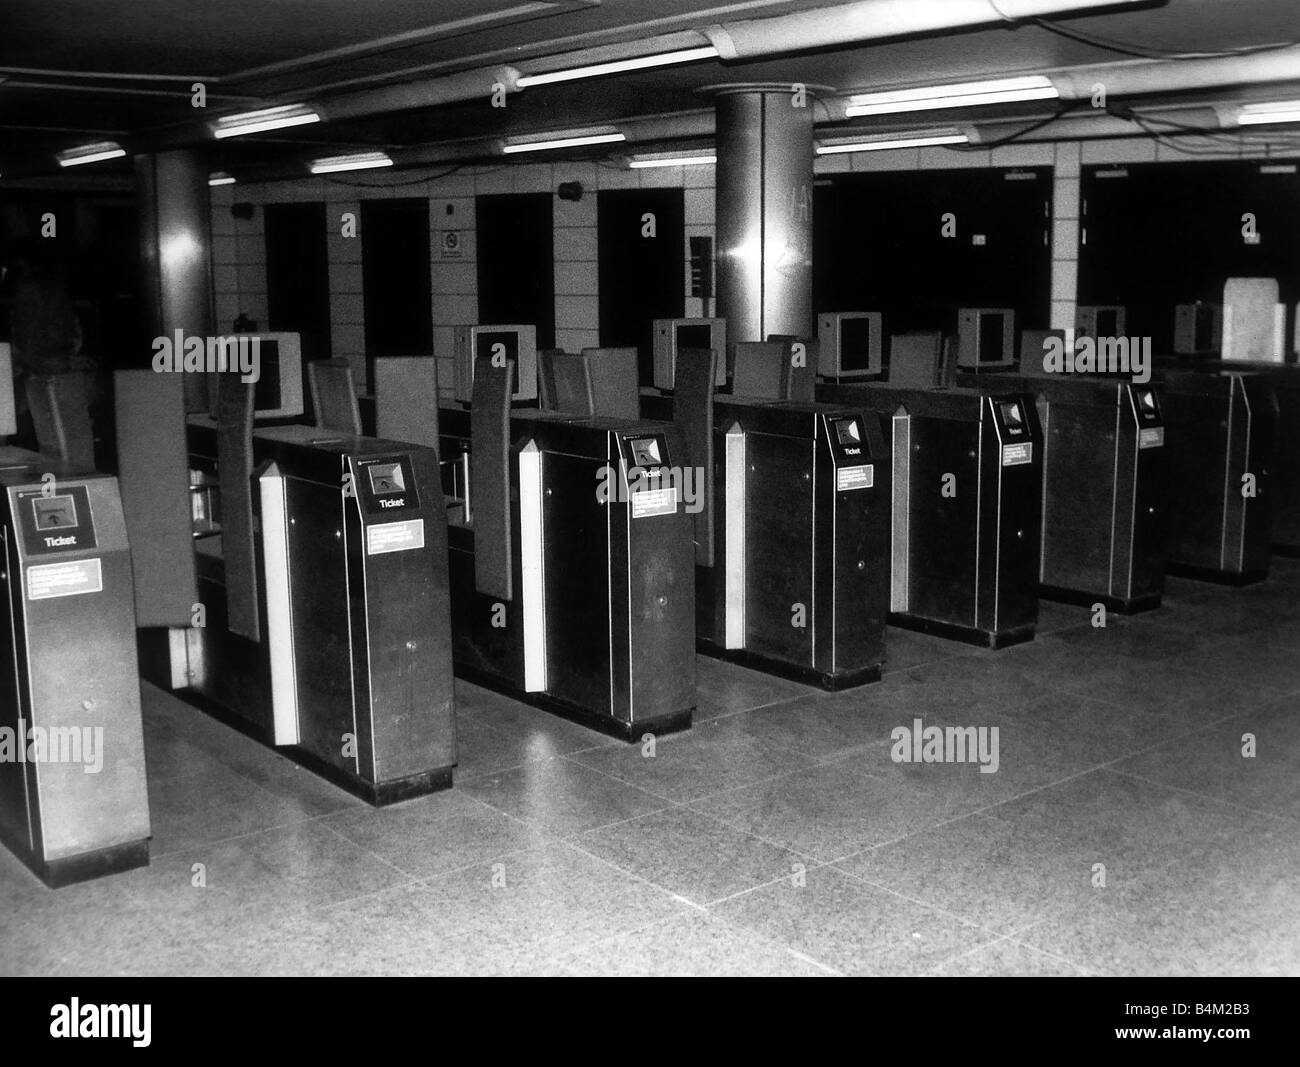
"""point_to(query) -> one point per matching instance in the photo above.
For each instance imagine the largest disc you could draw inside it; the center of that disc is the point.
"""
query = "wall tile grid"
(239, 253)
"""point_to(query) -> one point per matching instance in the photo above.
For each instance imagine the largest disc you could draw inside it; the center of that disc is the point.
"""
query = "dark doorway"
(516, 262)
(884, 242)
(641, 278)
(298, 279)
(1162, 234)
(395, 279)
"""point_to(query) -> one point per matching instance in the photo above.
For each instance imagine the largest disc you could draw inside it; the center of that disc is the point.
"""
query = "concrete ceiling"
(85, 70)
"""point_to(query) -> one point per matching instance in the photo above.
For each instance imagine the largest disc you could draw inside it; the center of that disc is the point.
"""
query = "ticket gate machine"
(341, 654)
(1220, 443)
(73, 799)
(796, 582)
(570, 561)
(1286, 465)
(1103, 487)
(1285, 480)
(967, 492)
(293, 584)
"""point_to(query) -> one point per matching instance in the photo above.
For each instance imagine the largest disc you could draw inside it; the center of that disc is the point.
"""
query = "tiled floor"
(777, 837)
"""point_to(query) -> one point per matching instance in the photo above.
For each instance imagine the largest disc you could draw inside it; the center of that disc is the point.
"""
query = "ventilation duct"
(1148, 77)
(832, 27)
(450, 89)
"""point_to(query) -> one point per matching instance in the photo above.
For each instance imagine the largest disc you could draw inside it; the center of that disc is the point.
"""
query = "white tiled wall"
(239, 253)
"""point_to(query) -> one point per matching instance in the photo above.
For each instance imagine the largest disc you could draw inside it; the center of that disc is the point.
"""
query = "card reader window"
(55, 512)
(646, 452)
(1147, 400)
(386, 478)
(1012, 417)
(847, 432)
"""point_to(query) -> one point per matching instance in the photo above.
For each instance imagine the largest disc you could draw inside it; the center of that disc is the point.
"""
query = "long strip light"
(573, 140)
(962, 94)
(220, 178)
(271, 118)
(1260, 114)
(90, 153)
(646, 162)
(890, 141)
(355, 161)
(619, 66)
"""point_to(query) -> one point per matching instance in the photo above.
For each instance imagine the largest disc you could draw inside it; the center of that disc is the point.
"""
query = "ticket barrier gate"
(1103, 487)
(300, 584)
(792, 567)
(570, 562)
(1285, 480)
(967, 496)
(73, 798)
(1220, 443)
(1286, 464)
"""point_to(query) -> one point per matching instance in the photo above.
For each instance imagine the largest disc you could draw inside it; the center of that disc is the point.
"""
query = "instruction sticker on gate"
(71, 578)
(862, 476)
(1016, 454)
(647, 502)
(1151, 437)
(394, 537)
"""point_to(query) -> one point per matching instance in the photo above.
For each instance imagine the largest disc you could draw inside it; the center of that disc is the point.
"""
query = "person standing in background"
(45, 332)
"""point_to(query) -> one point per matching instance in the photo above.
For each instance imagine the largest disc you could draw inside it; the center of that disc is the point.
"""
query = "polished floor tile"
(1143, 818)
(692, 945)
(683, 767)
(437, 833)
(560, 796)
(722, 688)
(1007, 957)
(853, 927)
(692, 855)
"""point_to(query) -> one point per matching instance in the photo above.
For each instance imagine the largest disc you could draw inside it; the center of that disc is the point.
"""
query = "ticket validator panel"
(1139, 571)
(598, 623)
(73, 801)
(1103, 447)
(352, 672)
(966, 500)
(1103, 488)
(799, 584)
(367, 606)
(1010, 516)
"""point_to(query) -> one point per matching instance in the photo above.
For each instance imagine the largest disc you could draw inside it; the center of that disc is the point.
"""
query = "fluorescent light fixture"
(91, 153)
(271, 118)
(618, 66)
(567, 140)
(1260, 114)
(963, 94)
(649, 161)
(220, 178)
(888, 141)
(356, 161)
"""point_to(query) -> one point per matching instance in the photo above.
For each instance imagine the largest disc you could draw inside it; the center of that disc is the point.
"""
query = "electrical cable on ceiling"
(1216, 149)
(1237, 136)
(1154, 53)
(395, 185)
(1013, 137)
(1220, 139)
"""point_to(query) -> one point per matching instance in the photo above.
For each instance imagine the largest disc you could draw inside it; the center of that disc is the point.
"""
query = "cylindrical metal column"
(764, 211)
(175, 248)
